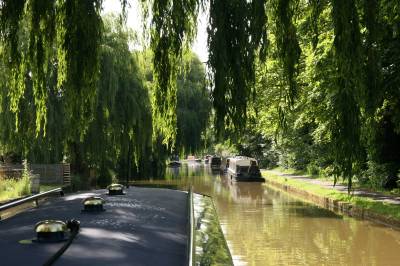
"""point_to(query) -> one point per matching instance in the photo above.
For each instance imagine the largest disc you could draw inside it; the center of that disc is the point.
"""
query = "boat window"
(242, 169)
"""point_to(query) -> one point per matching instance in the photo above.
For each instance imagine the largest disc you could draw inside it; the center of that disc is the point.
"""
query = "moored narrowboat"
(244, 169)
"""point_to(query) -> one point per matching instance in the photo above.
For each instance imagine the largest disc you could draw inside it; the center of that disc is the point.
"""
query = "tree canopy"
(326, 68)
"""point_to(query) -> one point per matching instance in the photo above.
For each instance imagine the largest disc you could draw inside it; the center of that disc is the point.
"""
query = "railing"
(35, 198)
(191, 237)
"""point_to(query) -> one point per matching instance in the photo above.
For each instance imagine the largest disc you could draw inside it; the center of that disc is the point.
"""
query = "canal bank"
(361, 204)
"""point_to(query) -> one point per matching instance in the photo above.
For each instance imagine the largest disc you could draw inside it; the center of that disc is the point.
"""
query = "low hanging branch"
(173, 27)
(11, 15)
(237, 30)
(31, 31)
(345, 122)
(287, 44)
(79, 29)
(42, 33)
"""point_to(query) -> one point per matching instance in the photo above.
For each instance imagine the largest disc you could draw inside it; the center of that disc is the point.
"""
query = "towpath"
(146, 226)
(392, 199)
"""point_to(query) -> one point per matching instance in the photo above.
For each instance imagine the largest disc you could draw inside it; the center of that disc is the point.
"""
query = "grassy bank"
(11, 188)
(391, 211)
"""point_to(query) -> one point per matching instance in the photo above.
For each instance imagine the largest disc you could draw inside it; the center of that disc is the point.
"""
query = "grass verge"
(11, 188)
(382, 208)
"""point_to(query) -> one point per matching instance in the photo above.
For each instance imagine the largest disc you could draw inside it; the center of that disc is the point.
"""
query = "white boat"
(243, 168)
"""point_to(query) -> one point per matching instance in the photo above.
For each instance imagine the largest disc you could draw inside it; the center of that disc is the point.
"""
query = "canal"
(265, 226)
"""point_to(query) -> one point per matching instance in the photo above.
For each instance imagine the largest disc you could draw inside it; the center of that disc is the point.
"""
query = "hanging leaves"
(79, 27)
(173, 27)
(71, 27)
(287, 44)
(42, 33)
(236, 32)
(345, 121)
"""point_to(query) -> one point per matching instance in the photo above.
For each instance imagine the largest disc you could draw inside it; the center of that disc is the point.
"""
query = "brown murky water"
(264, 226)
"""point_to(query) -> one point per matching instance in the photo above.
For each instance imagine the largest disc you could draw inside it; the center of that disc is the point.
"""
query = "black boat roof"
(146, 226)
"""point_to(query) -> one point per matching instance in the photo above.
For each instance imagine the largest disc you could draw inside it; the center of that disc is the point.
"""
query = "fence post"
(35, 183)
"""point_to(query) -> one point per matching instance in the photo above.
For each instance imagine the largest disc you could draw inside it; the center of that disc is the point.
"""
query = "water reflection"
(264, 226)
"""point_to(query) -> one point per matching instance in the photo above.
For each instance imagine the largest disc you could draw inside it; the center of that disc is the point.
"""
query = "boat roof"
(121, 235)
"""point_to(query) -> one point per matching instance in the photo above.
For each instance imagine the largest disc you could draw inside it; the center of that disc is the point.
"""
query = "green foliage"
(194, 107)
(173, 27)
(323, 88)
(288, 48)
(11, 188)
(237, 29)
(122, 118)
(79, 26)
(30, 31)
(344, 120)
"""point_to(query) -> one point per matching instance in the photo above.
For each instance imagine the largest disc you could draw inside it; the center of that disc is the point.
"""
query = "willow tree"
(193, 106)
(172, 29)
(122, 120)
(65, 33)
(71, 29)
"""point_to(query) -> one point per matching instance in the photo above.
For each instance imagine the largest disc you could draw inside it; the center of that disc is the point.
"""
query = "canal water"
(265, 226)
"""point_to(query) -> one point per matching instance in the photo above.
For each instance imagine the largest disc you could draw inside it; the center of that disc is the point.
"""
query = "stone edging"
(336, 205)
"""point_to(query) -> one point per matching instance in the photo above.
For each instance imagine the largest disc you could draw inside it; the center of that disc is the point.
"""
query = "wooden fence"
(49, 173)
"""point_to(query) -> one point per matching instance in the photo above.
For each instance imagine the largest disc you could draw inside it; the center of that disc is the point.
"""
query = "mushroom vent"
(115, 189)
(50, 231)
(93, 204)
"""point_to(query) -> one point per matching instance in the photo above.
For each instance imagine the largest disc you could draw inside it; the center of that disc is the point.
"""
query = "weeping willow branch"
(78, 37)
(237, 29)
(42, 33)
(317, 7)
(373, 75)
(11, 15)
(345, 122)
(31, 31)
(173, 27)
(287, 44)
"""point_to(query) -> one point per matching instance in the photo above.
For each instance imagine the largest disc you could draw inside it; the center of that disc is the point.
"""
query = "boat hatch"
(50, 231)
(115, 189)
(93, 204)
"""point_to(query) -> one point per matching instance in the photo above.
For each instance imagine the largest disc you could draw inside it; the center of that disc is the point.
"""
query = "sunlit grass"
(386, 209)
(11, 188)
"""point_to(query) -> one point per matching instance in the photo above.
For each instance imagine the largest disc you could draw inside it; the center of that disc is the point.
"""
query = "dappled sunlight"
(80, 196)
(98, 233)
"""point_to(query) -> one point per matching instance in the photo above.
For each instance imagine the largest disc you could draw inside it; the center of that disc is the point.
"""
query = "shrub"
(376, 175)
(313, 169)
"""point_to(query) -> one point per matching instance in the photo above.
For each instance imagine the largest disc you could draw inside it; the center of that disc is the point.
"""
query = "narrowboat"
(245, 169)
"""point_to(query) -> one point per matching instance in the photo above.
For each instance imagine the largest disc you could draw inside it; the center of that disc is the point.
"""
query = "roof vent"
(115, 189)
(93, 204)
(50, 231)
